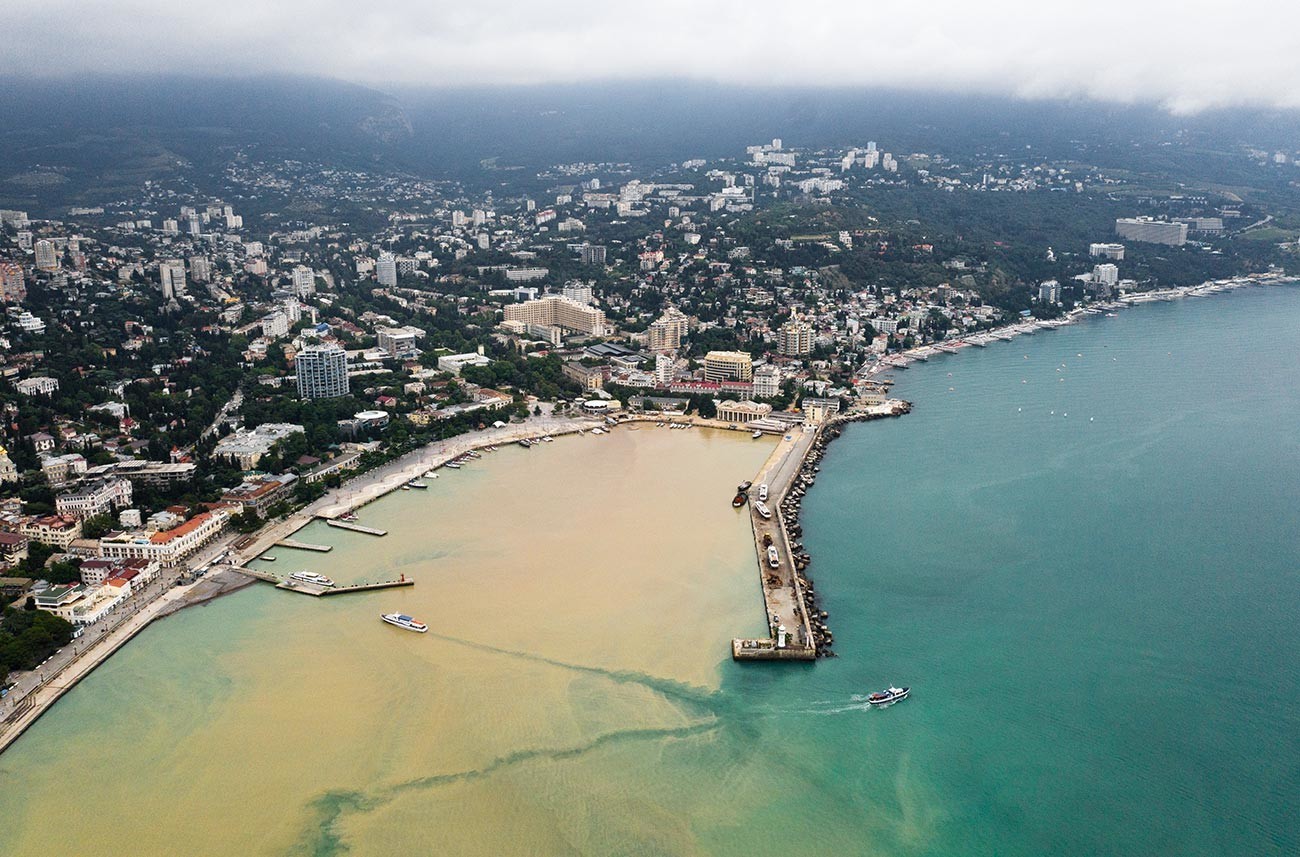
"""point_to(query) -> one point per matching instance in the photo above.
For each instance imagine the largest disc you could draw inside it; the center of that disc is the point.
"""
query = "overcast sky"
(1185, 55)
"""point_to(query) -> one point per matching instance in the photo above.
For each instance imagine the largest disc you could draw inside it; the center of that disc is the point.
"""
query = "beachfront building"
(97, 572)
(728, 366)
(819, 410)
(170, 546)
(257, 495)
(322, 371)
(742, 412)
(559, 311)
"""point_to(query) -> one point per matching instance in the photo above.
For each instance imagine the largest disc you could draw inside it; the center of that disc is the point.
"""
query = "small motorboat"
(739, 499)
(891, 695)
(744, 486)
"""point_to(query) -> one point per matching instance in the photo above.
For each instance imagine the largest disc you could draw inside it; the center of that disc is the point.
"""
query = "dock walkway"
(303, 546)
(356, 528)
(314, 589)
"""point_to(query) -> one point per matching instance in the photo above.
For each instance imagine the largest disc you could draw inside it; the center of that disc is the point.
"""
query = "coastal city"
(188, 375)
(682, 430)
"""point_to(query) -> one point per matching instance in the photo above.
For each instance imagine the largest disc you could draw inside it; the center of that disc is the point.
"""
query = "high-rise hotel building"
(322, 372)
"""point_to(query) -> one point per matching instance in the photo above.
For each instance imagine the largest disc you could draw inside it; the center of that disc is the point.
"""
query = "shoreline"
(373, 485)
(1007, 332)
(392, 476)
(229, 578)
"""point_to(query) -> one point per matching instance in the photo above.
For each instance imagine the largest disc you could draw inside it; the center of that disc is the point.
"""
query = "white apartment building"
(559, 311)
(1151, 231)
(304, 281)
(38, 385)
(95, 499)
(767, 382)
(386, 269)
(322, 371)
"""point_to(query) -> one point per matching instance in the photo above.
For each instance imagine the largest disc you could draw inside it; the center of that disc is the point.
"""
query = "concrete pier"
(356, 528)
(321, 591)
(314, 589)
(303, 546)
(783, 597)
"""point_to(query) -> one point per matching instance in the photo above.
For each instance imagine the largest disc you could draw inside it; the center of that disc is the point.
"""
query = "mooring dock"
(316, 590)
(321, 591)
(303, 546)
(356, 528)
(790, 635)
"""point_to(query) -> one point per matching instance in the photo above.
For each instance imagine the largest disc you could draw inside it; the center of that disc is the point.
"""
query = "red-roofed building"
(168, 547)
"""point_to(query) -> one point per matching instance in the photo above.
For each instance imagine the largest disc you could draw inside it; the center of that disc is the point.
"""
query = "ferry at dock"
(401, 620)
(310, 577)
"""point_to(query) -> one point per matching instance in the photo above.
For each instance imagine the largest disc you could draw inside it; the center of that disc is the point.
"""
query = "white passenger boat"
(401, 620)
(311, 577)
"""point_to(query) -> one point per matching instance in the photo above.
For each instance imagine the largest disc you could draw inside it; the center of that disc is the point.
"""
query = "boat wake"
(855, 702)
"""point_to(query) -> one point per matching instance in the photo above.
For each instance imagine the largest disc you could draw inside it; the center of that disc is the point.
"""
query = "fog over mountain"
(1171, 54)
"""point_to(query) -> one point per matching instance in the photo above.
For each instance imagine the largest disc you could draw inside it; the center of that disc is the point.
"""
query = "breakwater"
(797, 623)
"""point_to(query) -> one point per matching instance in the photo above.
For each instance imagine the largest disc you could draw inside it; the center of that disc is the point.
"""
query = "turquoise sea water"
(1080, 550)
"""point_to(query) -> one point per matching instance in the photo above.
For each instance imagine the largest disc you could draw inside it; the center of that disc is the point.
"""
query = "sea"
(1080, 551)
